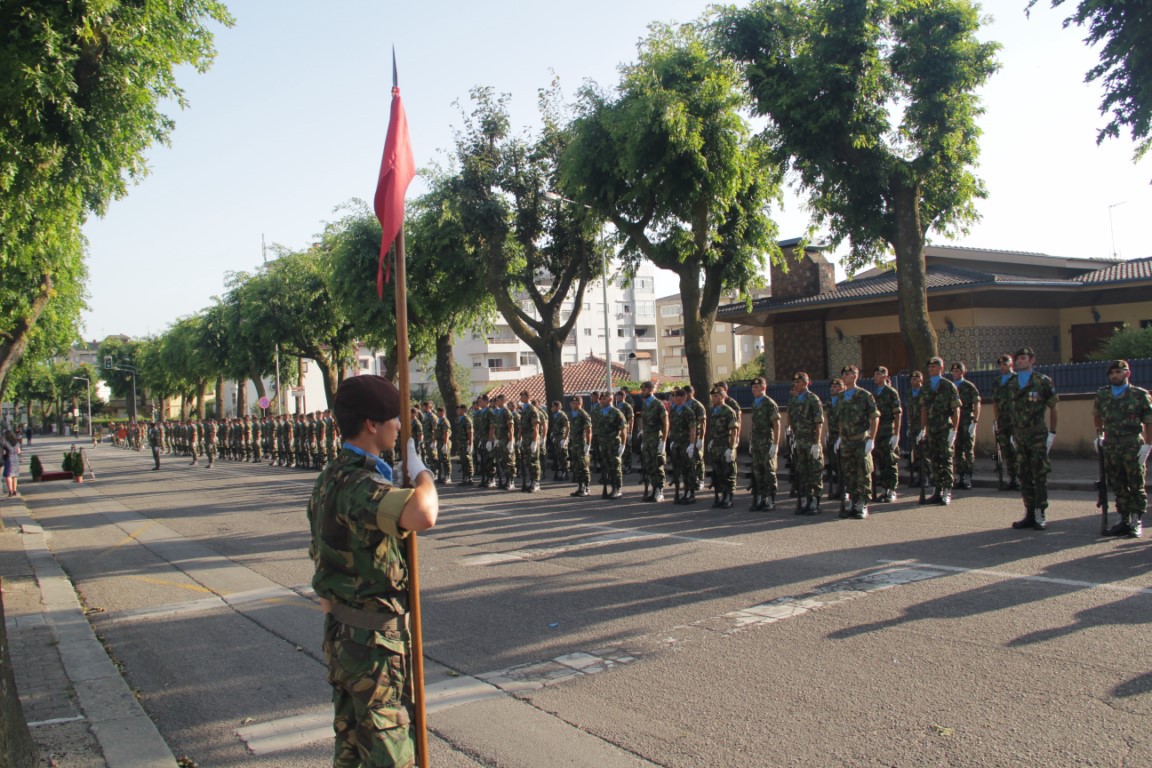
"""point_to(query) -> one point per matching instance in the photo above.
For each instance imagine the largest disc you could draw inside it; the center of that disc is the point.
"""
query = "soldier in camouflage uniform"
(1123, 416)
(558, 430)
(859, 419)
(1002, 421)
(806, 420)
(609, 431)
(939, 421)
(501, 435)
(623, 404)
(358, 520)
(531, 435)
(542, 443)
(428, 430)
(764, 445)
(682, 447)
(701, 412)
(579, 445)
(723, 442)
(480, 414)
(443, 447)
(463, 438)
(210, 441)
(886, 454)
(155, 444)
(654, 434)
(1030, 394)
(914, 406)
(969, 418)
(832, 430)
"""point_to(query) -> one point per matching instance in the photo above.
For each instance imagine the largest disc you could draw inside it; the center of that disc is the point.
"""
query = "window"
(495, 362)
(720, 328)
(621, 332)
(477, 363)
(721, 349)
(587, 305)
(623, 309)
(527, 358)
(364, 363)
(644, 284)
(641, 331)
(646, 309)
(670, 310)
(721, 370)
(587, 331)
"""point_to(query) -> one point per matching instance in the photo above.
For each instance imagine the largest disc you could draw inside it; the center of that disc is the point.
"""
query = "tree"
(537, 256)
(81, 94)
(1127, 343)
(874, 104)
(1124, 27)
(671, 161)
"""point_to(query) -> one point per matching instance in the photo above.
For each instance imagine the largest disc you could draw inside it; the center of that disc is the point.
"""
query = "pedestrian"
(10, 445)
(723, 441)
(1123, 417)
(654, 437)
(1031, 394)
(939, 421)
(1002, 421)
(806, 421)
(610, 431)
(154, 443)
(764, 445)
(358, 520)
(580, 445)
(969, 418)
(859, 419)
(886, 454)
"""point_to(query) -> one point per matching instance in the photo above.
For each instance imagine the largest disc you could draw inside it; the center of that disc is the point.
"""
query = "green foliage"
(1121, 30)
(36, 467)
(750, 370)
(1127, 343)
(73, 462)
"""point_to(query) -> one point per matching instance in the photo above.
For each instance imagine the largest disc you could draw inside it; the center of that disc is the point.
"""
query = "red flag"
(396, 171)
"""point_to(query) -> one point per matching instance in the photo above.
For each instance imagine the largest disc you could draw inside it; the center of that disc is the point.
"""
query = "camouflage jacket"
(915, 403)
(1123, 417)
(681, 420)
(1028, 405)
(969, 399)
(559, 426)
(354, 515)
(939, 403)
(721, 421)
(855, 413)
(805, 411)
(443, 430)
(530, 426)
(609, 421)
(888, 402)
(463, 434)
(765, 415)
(652, 418)
(1002, 397)
(580, 421)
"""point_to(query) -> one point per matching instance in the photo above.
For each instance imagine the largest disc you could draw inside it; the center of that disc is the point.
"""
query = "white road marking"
(1024, 577)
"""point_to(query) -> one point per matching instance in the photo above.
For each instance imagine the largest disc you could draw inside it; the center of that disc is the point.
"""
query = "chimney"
(809, 273)
(640, 366)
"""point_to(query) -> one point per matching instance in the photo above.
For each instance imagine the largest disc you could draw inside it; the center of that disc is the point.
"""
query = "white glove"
(814, 451)
(660, 447)
(444, 449)
(1048, 443)
(588, 450)
(620, 450)
(1100, 443)
(1012, 440)
(564, 444)
(894, 443)
(775, 450)
(488, 446)
(922, 436)
(533, 448)
(996, 426)
(1142, 456)
(972, 429)
(951, 437)
(869, 444)
(412, 461)
(836, 446)
(691, 450)
(730, 455)
(700, 445)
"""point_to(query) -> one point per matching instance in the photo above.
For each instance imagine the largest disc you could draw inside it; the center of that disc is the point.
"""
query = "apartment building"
(730, 345)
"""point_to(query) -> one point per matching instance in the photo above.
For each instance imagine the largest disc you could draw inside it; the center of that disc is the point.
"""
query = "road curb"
(127, 736)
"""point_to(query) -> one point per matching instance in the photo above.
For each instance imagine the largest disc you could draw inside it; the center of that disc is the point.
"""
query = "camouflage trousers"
(965, 450)
(504, 458)
(856, 466)
(939, 457)
(764, 468)
(1032, 467)
(368, 671)
(1126, 476)
(886, 459)
(531, 461)
(723, 471)
(809, 471)
(683, 470)
(561, 456)
(464, 451)
(580, 472)
(652, 448)
(1007, 450)
(612, 469)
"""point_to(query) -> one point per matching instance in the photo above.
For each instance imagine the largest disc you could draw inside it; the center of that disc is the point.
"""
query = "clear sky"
(289, 123)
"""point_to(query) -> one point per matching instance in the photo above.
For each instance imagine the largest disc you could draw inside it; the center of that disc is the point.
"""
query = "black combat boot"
(1013, 483)
(1029, 520)
(657, 496)
(814, 509)
(715, 498)
(604, 491)
(689, 497)
(615, 492)
(726, 500)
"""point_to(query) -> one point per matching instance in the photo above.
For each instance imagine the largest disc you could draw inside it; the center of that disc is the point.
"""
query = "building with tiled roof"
(580, 378)
(981, 302)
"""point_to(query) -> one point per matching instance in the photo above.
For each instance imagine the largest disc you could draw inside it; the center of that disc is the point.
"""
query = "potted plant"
(37, 468)
(75, 464)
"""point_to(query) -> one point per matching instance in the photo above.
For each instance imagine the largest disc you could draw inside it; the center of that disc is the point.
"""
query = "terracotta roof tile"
(1137, 269)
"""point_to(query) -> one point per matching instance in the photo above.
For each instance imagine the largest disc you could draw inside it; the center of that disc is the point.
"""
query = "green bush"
(37, 467)
(73, 463)
(1126, 344)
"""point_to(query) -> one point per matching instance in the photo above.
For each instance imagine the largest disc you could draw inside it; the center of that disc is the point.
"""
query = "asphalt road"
(567, 632)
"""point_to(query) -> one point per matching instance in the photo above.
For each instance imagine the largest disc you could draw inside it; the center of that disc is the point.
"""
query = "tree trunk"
(241, 398)
(13, 343)
(327, 378)
(17, 750)
(697, 333)
(551, 354)
(201, 395)
(912, 279)
(219, 397)
(445, 380)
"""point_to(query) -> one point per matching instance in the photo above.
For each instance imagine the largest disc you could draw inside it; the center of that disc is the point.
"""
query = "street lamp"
(109, 365)
(604, 266)
(88, 386)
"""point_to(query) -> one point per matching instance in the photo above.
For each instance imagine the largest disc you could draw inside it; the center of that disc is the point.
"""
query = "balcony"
(498, 340)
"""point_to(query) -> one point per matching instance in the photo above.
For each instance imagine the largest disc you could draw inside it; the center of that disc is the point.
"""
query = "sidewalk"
(81, 712)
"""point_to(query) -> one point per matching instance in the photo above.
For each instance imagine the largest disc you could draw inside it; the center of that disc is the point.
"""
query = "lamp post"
(110, 366)
(88, 387)
(604, 285)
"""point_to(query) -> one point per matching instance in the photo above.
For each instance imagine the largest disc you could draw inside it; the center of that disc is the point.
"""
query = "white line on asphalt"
(56, 721)
(1024, 577)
